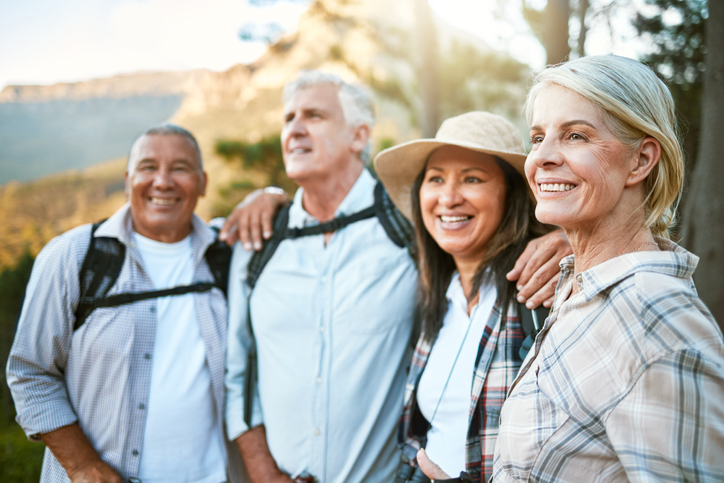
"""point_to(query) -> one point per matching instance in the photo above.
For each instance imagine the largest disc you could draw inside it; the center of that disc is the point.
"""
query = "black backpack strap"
(531, 321)
(101, 267)
(218, 258)
(253, 270)
(396, 225)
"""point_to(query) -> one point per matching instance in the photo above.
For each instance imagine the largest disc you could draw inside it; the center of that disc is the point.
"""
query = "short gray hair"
(635, 104)
(356, 103)
(168, 129)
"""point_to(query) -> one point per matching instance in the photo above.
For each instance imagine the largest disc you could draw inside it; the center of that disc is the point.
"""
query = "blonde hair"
(635, 105)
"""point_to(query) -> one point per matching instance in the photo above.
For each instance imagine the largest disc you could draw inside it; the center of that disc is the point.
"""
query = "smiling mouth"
(454, 219)
(300, 150)
(556, 187)
(163, 201)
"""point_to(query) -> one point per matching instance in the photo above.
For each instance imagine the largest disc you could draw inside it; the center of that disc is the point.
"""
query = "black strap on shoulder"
(531, 321)
(398, 228)
(102, 266)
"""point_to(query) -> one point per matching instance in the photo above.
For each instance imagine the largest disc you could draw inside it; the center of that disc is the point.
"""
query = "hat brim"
(398, 166)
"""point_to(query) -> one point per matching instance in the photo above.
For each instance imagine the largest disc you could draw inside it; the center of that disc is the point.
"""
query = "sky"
(46, 41)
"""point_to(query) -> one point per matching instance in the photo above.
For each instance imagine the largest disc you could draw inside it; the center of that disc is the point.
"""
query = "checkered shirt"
(497, 364)
(625, 382)
(100, 375)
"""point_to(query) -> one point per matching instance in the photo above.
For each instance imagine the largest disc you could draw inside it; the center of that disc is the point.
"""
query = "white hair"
(356, 103)
(635, 104)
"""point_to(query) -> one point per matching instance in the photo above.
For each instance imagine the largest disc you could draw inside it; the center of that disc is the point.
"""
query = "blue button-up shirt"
(332, 326)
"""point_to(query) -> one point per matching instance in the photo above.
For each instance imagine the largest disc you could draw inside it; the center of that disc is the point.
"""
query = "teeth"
(161, 201)
(556, 187)
(453, 219)
(300, 150)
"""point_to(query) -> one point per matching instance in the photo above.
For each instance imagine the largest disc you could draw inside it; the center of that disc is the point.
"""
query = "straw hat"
(397, 167)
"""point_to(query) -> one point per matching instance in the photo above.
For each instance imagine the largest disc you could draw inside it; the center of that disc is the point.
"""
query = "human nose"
(450, 195)
(547, 153)
(163, 179)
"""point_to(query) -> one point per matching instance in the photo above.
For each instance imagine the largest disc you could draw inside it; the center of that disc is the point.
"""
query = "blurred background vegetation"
(420, 72)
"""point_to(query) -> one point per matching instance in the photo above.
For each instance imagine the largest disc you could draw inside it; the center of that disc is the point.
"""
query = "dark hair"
(436, 267)
(169, 129)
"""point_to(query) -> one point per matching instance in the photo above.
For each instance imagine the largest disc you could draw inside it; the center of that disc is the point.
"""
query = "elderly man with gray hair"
(118, 361)
(331, 313)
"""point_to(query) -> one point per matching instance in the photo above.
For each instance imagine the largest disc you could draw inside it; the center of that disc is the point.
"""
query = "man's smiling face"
(163, 183)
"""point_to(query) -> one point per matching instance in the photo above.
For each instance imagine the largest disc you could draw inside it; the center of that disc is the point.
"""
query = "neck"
(322, 196)
(606, 240)
(467, 269)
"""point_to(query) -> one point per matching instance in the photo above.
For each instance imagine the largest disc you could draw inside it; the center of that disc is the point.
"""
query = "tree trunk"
(582, 10)
(428, 69)
(556, 16)
(703, 232)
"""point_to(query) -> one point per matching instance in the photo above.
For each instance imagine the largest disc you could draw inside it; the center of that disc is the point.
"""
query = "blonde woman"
(626, 378)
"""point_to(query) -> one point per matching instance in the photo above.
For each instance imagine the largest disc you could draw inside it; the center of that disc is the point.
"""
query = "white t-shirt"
(183, 440)
(448, 434)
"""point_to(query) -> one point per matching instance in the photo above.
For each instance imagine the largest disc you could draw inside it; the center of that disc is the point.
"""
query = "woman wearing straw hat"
(474, 214)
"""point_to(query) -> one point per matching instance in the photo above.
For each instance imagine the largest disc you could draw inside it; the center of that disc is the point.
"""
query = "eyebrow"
(566, 124)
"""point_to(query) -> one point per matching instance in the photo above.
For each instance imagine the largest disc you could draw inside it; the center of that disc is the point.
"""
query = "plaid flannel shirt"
(625, 382)
(498, 362)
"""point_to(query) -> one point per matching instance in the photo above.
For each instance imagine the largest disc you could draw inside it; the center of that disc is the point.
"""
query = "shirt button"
(321, 328)
(319, 380)
(146, 355)
(134, 452)
(317, 432)
(324, 279)
(153, 309)
(141, 406)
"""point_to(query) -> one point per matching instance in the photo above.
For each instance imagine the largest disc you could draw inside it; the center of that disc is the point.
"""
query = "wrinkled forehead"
(163, 148)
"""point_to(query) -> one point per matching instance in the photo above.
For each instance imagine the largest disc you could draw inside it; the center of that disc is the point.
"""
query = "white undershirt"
(183, 440)
(448, 434)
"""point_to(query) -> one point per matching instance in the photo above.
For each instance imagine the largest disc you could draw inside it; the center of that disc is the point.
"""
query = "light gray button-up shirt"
(100, 375)
(332, 325)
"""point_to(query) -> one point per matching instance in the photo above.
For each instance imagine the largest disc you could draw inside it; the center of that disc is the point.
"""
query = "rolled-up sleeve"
(39, 354)
(239, 341)
(670, 425)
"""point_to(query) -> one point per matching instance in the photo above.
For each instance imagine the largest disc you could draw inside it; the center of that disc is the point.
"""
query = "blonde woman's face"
(577, 168)
(462, 200)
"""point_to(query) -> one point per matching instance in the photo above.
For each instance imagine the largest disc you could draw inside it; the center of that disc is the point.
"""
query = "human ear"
(127, 180)
(360, 137)
(202, 187)
(646, 156)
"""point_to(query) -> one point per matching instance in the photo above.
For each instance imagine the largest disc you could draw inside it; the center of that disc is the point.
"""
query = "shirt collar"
(120, 226)
(361, 196)
(672, 260)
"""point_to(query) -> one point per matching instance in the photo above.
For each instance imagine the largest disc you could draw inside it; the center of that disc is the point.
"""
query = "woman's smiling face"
(462, 200)
(577, 167)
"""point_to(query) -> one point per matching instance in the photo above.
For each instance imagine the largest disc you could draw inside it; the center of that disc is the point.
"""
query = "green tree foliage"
(676, 29)
(20, 460)
(264, 156)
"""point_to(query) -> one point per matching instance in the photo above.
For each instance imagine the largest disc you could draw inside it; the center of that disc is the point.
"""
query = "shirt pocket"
(529, 419)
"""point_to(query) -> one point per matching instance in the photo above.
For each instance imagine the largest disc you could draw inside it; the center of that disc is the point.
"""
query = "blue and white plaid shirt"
(100, 375)
(626, 382)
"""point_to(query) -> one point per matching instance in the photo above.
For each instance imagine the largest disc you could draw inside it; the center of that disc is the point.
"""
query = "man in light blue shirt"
(332, 313)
